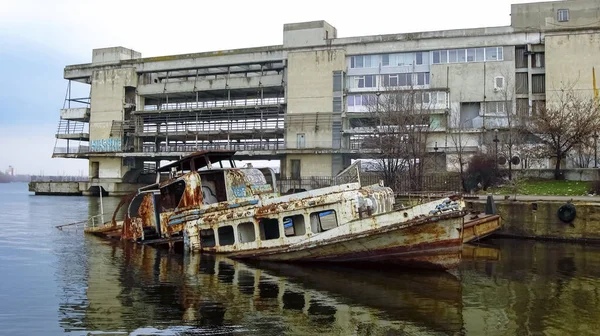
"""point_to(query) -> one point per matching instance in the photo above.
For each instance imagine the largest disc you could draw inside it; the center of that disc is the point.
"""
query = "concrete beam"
(75, 114)
(74, 136)
(235, 83)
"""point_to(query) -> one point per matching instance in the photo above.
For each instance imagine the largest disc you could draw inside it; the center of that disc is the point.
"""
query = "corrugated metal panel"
(337, 81)
(538, 83)
(337, 104)
(520, 57)
(521, 83)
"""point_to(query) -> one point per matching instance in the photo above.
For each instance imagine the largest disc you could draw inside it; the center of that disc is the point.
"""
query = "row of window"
(467, 55)
(428, 97)
(269, 228)
(395, 80)
(426, 57)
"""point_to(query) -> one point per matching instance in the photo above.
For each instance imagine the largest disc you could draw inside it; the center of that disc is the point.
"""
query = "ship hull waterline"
(431, 243)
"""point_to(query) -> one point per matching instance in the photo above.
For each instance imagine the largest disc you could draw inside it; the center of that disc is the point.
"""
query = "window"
(436, 57)
(521, 83)
(390, 80)
(226, 236)
(368, 81)
(452, 56)
(170, 196)
(207, 238)
(563, 15)
(538, 60)
(462, 55)
(295, 169)
(423, 78)
(300, 140)
(350, 100)
(246, 232)
(538, 83)
(419, 60)
(404, 79)
(470, 55)
(269, 228)
(538, 106)
(323, 221)
(496, 107)
(356, 62)
(479, 55)
(498, 82)
(385, 60)
(493, 54)
(294, 226)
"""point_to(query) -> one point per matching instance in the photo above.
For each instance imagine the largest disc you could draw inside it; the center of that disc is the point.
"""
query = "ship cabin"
(199, 180)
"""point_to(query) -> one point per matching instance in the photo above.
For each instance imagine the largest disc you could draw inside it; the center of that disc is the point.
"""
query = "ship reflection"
(137, 288)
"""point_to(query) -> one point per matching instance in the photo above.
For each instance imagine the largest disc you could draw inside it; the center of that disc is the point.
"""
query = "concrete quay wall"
(539, 220)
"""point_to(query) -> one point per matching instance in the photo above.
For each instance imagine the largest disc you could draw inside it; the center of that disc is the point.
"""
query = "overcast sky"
(39, 37)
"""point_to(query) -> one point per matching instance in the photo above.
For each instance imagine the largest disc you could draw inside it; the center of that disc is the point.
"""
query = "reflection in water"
(61, 281)
(504, 287)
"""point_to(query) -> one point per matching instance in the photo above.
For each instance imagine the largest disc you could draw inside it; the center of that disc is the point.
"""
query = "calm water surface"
(55, 282)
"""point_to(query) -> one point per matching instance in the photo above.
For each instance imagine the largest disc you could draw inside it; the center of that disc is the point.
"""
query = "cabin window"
(246, 232)
(226, 236)
(171, 195)
(269, 228)
(323, 221)
(207, 238)
(294, 226)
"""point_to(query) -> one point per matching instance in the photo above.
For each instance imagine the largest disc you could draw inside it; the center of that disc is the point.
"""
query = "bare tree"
(401, 121)
(568, 120)
(583, 154)
(457, 140)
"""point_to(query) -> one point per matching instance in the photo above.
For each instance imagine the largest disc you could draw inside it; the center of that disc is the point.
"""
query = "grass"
(545, 187)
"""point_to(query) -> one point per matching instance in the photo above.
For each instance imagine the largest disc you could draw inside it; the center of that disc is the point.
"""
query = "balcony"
(81, 114)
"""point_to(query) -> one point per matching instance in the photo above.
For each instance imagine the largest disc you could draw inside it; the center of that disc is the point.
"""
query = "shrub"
(482, 172)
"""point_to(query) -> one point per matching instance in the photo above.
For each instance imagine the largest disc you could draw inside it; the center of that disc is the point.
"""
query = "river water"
(57, 282)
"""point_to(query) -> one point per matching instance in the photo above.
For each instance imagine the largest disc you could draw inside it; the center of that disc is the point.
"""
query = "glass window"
(436, 57)
(500, 55)
(479, 55)
(452, 56)
(423, 78)
(393, 80)
(462, 55)
(359, 61)
(563, 15)
(444, 56)
(419, 58)
(370, 81)
(404, 79)
(470, 55)
(350, 100)
(385, 60)
(360, 81)
(367, 61)
(491, 54)
(358, 100)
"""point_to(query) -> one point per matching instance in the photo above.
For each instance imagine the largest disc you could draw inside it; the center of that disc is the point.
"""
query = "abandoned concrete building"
(297, 103)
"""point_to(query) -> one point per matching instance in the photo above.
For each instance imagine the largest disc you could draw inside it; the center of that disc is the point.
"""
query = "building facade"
(305, 102)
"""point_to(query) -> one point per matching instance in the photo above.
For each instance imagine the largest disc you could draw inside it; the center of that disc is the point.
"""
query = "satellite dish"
(502, 161)
(515, 160)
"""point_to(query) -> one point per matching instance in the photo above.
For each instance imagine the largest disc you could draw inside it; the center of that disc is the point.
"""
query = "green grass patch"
(545, 187)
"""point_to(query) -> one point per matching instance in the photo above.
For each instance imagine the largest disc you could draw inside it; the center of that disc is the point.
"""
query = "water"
(55, 282)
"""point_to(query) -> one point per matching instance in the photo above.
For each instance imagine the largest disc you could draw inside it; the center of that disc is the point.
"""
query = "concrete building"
(299, 102)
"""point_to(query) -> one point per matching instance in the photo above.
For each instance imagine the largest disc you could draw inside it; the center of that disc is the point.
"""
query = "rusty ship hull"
(480, 226)
(430, 243)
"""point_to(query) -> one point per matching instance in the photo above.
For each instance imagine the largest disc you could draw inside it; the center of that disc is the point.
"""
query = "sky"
(38, 38)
